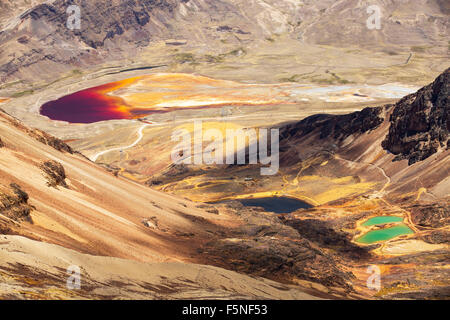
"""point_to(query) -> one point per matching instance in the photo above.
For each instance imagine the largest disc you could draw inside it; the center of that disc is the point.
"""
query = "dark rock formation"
(125, 25)
(14, 203)
(110, 168)
(208, 208)
(278, 259)
(321, 233)
(438, 237)
(40, 135)
(439, 293)
(176, 170)
(419, 122)
(101, 20)
(327, 131)
(337, 127)
(50, 141)
(433, 215)
(265, 246)
(55, 173)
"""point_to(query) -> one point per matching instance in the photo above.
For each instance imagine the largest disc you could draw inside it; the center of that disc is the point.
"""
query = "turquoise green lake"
(382, 220)
(385, 234)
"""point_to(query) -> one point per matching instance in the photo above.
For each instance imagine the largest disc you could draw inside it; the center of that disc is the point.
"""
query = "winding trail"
(383, 172)
(140, 136)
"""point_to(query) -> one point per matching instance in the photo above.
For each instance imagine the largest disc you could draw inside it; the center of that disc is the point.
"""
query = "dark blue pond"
(276, 204)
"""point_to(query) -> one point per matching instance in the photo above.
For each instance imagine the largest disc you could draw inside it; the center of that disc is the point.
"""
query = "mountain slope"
(129, 241)
(35, 36)
(97, 212)
(36, 270)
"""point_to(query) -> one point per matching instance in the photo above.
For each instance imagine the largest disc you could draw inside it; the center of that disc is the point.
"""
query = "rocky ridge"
(35, 36)
(420, 122)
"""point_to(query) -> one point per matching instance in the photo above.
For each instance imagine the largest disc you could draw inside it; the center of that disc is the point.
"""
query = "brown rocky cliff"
(419, 122)
(102, 19)
(418, 125)
(37, 134)
(325, 132)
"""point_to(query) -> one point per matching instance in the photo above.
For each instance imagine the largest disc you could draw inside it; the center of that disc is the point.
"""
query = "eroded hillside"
(58, 209)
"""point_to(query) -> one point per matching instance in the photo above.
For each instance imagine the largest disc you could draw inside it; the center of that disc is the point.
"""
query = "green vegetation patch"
(22, 93)
(185, 58)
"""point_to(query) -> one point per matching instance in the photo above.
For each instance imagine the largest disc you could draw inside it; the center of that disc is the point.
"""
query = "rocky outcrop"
(14, 203)
(328, 133)
(39, 135)
(102, 20)
(431, 215)
(438, 237)
(173, 173)
(337, 127)
(278, 259)
(50, 140)
(265, 246)
(420, 122)
(324, 235)
(55, 174)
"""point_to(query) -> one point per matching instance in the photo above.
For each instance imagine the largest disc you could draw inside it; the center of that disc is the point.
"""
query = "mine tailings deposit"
(90, 105)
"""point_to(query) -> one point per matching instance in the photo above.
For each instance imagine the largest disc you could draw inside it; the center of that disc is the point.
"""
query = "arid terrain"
(87, 125)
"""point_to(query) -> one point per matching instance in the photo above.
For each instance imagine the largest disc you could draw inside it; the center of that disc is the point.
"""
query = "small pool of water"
(385, 234)
(276, 204)
(376, 221)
